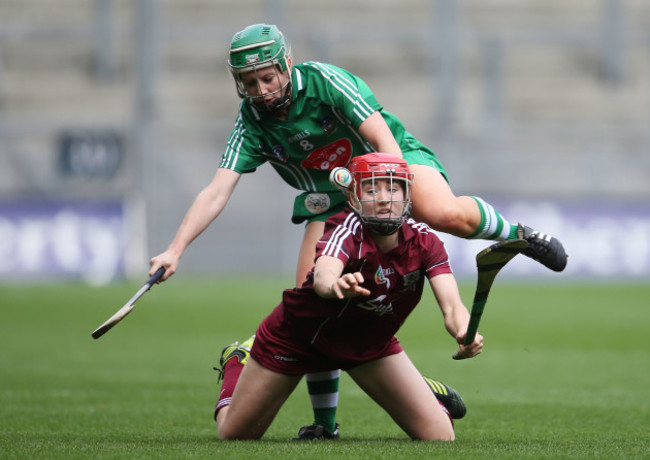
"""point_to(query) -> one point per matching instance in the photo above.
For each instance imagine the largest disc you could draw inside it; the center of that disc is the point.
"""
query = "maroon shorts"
(293, 356)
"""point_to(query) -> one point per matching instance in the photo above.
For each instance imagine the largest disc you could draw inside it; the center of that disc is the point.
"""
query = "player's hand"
(168, 260)
(349, 285)
(471, 350)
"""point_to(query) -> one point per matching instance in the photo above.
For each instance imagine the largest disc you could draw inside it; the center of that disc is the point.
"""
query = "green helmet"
(256, 47)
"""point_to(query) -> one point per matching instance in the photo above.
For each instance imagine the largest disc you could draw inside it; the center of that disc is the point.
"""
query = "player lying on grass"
(307, 119)
(368, 276)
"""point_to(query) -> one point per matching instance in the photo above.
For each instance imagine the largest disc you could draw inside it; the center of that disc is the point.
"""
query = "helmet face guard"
(257, 47)
(369, 169)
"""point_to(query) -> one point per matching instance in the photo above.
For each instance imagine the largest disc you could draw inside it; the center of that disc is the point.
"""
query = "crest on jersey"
(381, 276)
(317, 203)
(328, 125)
(279, 153)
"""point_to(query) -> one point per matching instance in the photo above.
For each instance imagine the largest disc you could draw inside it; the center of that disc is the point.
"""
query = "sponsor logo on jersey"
(328, 125)
(381, 276)
(300, 136)
(336, 154)
(377, 306)
(317, 203)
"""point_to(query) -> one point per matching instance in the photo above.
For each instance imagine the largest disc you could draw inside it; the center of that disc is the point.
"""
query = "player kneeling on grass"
(369, 275)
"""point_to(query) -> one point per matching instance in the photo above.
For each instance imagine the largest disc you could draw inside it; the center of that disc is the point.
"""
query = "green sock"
(323, 388)
(493, 225)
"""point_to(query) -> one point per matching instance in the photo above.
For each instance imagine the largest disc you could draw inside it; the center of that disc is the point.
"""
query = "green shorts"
(425, 157)
(318, 206)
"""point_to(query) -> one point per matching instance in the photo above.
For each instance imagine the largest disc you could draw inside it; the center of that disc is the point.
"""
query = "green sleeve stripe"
(347, 88)
(233, 145)
(298, 79)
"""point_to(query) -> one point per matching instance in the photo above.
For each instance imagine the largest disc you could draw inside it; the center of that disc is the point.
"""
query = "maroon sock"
(231, 372)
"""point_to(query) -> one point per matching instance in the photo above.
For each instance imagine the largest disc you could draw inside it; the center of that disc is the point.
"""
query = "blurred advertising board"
(42, 240)
(603, 240)
(97, 242)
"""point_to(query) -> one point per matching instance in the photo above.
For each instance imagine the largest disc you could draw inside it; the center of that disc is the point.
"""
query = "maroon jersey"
(348, 332)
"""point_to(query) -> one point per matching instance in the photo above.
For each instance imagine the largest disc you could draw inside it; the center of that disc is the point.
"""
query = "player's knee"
(224, 430)
(221, 434)
(227, 431)
(225, 434)
(436, 434)
(449, 437)
(226, 437)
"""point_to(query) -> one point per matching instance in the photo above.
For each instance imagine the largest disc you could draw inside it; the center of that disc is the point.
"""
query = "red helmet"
(371, 167)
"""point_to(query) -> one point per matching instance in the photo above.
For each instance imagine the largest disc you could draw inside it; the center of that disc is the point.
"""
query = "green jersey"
(328, 105)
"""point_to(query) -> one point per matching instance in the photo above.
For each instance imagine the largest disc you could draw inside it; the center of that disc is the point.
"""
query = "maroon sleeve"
(435, 260)
(338, 238)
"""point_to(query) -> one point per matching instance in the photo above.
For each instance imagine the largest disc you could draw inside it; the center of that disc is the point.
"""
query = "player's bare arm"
(329, 281)
(206, 207)
(375, 130)
(455, 314)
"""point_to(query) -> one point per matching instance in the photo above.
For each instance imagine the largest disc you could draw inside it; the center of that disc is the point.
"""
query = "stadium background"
(114, 114)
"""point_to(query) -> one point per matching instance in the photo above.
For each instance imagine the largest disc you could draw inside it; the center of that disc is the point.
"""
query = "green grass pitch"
(565, 374)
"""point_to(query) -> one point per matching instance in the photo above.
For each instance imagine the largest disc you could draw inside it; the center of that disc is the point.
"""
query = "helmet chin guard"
(373, 167)
(257, 47)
